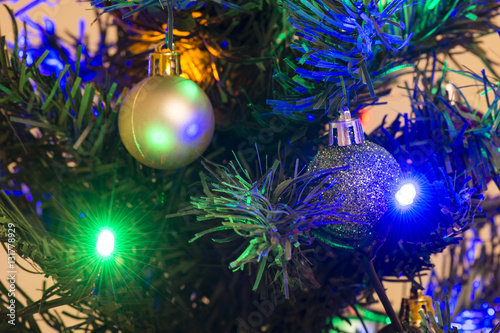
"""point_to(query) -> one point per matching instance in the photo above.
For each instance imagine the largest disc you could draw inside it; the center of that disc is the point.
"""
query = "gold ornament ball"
(166, 122)
(366, 186)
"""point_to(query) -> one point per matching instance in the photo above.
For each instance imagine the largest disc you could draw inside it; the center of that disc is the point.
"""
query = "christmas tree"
(209, 170)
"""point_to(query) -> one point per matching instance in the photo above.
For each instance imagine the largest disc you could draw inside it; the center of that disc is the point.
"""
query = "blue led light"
(491, 311)
(469, 326)
(406, 194)
(471, 255)
(81, 29)
(39, 209)
(29, 58)
(49, 25)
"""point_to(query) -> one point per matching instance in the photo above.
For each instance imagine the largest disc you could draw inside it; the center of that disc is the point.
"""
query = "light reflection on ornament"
(159, 137)
(166, 122)
(192, 130)
(182, 112)
(105, 243)
(156, 117)
(406, 194)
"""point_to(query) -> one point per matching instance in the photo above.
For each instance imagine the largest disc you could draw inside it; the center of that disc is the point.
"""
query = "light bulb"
(406, 194)
(105, 243)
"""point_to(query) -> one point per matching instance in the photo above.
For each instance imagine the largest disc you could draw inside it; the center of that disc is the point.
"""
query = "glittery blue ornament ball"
(366, 188)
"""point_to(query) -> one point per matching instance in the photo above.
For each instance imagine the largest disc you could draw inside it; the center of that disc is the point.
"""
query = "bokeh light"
(406, 194)
(105, 243)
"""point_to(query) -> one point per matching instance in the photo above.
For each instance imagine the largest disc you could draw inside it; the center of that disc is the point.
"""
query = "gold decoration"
(410, 308)
(165, 63)
(166, 121)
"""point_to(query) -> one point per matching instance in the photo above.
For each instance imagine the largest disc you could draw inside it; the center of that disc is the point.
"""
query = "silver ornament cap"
(347, 130)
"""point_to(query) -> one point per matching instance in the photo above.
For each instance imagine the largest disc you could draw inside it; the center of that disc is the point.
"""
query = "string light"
(105, 243)
(406, 194)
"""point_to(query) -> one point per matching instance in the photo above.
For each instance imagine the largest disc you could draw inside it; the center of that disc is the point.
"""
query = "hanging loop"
(169, 36)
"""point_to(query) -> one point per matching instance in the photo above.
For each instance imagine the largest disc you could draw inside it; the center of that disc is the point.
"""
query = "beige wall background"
(67, 15)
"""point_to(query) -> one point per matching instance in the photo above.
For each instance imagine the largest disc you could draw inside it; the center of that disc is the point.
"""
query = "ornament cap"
(164, 62)
(453, 93)
(410, 307)
(346, 130)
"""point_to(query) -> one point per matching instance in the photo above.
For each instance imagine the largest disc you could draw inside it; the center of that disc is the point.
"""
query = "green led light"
(430, 5)
(105, 243)
(471, 16)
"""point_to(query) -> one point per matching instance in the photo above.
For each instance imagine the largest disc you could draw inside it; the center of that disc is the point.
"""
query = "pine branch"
(349, 51)
(274, 215)
(440, 27)
(339, 40)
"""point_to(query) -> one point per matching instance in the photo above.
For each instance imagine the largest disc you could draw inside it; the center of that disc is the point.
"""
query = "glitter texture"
(366, 187)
